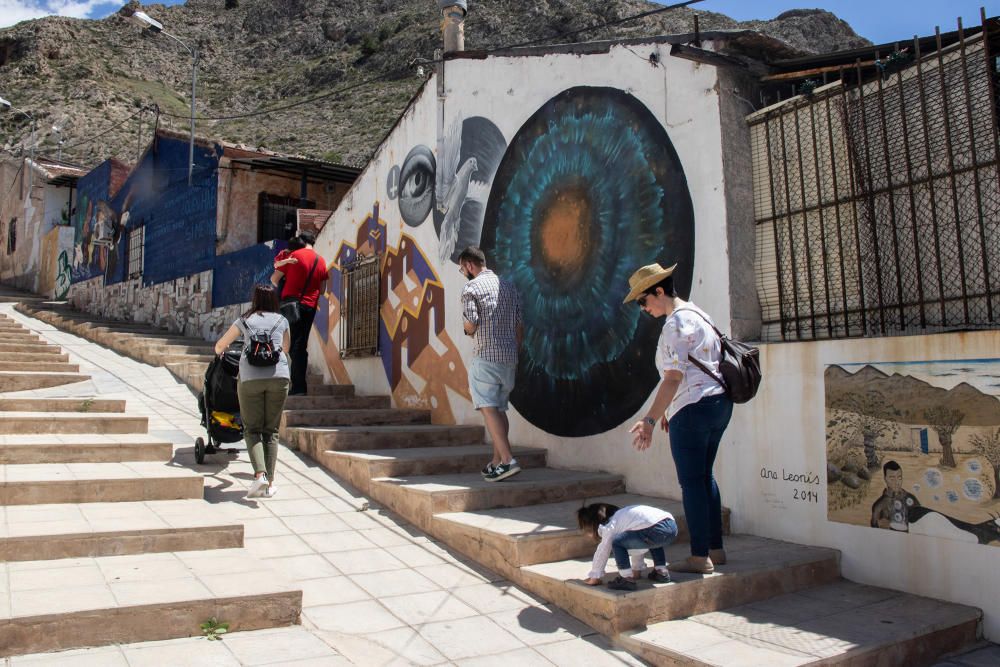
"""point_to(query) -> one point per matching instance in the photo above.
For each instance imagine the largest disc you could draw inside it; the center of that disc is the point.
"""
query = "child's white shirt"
(632, 517)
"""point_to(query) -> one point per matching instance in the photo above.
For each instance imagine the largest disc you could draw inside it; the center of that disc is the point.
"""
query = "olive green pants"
(261, 403)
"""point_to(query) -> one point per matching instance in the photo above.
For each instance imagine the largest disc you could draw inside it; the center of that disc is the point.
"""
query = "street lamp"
(5, 103)
(143, 19)
(61, 141)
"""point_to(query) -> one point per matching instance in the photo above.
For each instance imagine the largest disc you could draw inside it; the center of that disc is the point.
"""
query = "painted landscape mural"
(914, 447)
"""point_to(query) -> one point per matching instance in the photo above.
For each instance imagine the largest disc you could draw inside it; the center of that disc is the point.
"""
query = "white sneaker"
(269, 492)
(257, 487)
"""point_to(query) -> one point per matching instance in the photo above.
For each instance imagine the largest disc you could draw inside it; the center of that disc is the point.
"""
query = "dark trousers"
(654, 538)
(299, 352)
(695, 433)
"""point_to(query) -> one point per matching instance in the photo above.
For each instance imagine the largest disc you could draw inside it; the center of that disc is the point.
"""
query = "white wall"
(681, 94)
(783, 429)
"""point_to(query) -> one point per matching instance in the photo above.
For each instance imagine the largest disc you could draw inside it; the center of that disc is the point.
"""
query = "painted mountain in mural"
(911, 396)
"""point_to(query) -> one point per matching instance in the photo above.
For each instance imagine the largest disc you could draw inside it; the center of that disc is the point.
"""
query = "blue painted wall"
(237, 273)
(88, 260)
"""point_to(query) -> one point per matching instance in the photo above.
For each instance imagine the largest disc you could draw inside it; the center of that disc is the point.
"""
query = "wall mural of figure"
(589, 188)
(420, 359)
(415, 185)
(914, 447)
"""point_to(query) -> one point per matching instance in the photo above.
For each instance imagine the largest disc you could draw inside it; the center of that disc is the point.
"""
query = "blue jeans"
(695, 433)
(653, 538)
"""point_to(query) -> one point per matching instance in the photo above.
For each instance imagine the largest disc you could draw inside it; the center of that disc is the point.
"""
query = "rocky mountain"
(86, 76)
(909, 396)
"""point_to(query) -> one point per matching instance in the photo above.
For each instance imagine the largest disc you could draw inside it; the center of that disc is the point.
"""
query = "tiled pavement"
(376, 590)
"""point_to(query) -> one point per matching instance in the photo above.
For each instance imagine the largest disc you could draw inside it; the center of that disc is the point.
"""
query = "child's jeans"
(653, 538)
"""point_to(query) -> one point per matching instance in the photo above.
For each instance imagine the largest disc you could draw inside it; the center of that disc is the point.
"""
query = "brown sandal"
(693, 566)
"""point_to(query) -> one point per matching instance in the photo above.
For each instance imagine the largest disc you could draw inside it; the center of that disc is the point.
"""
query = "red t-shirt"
(295, 277)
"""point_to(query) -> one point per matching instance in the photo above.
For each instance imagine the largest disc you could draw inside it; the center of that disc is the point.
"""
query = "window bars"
(277, 216)
(359, 307)
(136, 239)
(878, 205)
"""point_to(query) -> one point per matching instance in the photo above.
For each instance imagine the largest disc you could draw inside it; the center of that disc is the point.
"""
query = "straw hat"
(646, 277)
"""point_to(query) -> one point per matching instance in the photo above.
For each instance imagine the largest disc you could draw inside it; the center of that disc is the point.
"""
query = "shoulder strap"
(305, 285)
(693, 359)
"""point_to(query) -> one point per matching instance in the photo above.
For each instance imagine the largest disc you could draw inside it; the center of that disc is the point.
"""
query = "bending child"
(635, 527)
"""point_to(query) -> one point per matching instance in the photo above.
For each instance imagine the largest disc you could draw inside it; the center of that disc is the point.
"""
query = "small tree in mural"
(945, 421)
(987, 444)
(867, 414)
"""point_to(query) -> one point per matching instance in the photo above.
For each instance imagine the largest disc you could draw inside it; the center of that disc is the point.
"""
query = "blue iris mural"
(589, 190)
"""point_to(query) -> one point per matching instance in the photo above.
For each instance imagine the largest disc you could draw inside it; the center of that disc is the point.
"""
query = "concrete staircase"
(773, 603)
(103, 539)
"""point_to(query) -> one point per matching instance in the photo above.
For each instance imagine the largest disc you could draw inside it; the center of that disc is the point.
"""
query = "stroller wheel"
(199, 451)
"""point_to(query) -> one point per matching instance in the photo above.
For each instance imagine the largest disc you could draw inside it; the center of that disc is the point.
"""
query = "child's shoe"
(620, 583)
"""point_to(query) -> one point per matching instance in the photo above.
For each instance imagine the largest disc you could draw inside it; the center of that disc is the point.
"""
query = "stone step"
(10, 381)
(190, 373)
(26, 449)
(418, 498)
(318, 389)
(30, 347)
(39, 366)
(337, 402)
(84, 404)
(757, 569)
(126, 599)
(18, 337)
(71, 422)
(841, 623)
(359, 468)
(49, 532)
(180, 348)
(164, 359)
(47, 483)
(505, 539)
(354, 417)
(34, 358)
(315, 441)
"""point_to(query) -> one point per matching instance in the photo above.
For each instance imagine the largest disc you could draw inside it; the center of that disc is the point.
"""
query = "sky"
(881, 21)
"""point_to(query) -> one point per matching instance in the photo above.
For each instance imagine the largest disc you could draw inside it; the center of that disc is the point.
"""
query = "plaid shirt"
(493, 304)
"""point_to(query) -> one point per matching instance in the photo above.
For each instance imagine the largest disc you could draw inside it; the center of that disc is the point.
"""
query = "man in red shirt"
(296, 269)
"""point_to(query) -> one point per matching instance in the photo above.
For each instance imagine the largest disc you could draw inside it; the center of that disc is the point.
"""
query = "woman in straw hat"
(690, 405)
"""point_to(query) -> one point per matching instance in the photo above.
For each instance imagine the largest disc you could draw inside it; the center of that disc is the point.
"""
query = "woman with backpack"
(691, 405)
(263, 382)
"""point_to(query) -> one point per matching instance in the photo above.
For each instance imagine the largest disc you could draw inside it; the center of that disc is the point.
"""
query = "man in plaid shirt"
(491, 309)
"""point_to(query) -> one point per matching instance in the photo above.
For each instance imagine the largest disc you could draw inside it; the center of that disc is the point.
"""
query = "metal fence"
(359, 307)
(878, 205)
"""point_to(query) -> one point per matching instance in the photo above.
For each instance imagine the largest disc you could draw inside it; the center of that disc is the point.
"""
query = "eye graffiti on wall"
(915, 447)
(454, 186)
(416, 185)
(420, 359)
(590, 189)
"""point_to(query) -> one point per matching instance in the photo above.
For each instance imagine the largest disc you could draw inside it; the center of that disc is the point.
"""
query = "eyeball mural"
(454, 185)
(589, 189)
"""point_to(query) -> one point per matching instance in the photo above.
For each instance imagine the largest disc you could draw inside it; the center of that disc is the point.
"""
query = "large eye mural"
(416, 185)
(589, 190)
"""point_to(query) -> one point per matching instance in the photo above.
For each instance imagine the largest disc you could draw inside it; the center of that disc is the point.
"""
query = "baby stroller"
(220, 404)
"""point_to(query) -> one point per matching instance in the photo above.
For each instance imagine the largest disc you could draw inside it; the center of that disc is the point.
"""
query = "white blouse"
(686, 334)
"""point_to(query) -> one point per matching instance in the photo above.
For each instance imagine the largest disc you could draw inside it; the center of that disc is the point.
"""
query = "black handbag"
(739, 366)
(290, 307)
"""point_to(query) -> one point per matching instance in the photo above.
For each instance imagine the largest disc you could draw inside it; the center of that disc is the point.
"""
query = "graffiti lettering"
(64, 275)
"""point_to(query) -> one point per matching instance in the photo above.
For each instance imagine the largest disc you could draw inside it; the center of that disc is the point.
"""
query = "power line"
(396, 72)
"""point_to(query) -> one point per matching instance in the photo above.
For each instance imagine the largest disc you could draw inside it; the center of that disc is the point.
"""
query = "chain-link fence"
(878, 205)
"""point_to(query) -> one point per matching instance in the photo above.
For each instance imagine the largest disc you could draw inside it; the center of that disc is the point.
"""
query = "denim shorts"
(490, 383)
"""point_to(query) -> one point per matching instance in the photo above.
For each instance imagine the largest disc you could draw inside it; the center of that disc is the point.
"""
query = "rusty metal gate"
(360, 288)
(878, 204)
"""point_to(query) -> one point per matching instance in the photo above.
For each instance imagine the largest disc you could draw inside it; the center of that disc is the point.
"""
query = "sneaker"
(503, 471)
(270, 491)
(659, 577)
(488, 470)
(620, 583)
(257, 487)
